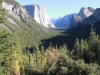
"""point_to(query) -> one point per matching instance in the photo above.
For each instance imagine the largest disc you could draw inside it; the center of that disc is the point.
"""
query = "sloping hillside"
(24, 27)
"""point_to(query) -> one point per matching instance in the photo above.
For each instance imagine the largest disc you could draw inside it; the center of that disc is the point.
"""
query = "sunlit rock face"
(17, 11)
(39, 14)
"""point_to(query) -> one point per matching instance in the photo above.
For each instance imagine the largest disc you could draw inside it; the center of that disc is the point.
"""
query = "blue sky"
(59, 8)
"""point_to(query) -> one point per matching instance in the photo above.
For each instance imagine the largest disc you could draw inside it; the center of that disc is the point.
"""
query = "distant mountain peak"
(62, 22)
(95, 17)
(86, 12)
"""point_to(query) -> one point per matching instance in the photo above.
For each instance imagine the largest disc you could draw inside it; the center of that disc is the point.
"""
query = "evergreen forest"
(25, 51)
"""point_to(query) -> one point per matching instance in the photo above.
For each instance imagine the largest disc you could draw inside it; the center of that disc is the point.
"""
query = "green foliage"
(68, 66)
(60, 61)
(31, 33)
(12, 58)
(76, 48)
(2, 13)
(93, 38)
(5, 50)
(50, 62)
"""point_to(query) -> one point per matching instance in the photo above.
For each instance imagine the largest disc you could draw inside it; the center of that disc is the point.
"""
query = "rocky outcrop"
(82, 15)
(17, 11)
(86, 12)
(1, 24)
(12, 21)
(39, 14)
(75, 20)
(95, 17)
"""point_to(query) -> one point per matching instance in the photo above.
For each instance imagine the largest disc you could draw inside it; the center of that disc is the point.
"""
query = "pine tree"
(2, 13)
(76, 48)
(90, 53)
(82, 47)
(42, 54)
(38, 57)
(86, 46)
(56, 47)
(20, 61)
(98, 52)
(5, 52)
(93, 38)
(64, 50)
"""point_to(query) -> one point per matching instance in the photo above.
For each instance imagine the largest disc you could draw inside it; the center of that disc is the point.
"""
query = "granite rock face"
(83, 14)
(39, 14)
(95, 17)
(86, 12)
(17, 11)
(75, 20)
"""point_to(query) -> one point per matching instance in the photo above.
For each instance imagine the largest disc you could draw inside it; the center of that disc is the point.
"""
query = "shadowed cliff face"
(95, 17)
(82, 15)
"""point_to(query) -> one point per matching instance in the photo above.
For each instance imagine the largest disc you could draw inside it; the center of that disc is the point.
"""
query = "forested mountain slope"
(22, 25)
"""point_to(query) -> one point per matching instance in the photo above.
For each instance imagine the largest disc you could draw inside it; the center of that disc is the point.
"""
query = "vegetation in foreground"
(83, 59)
